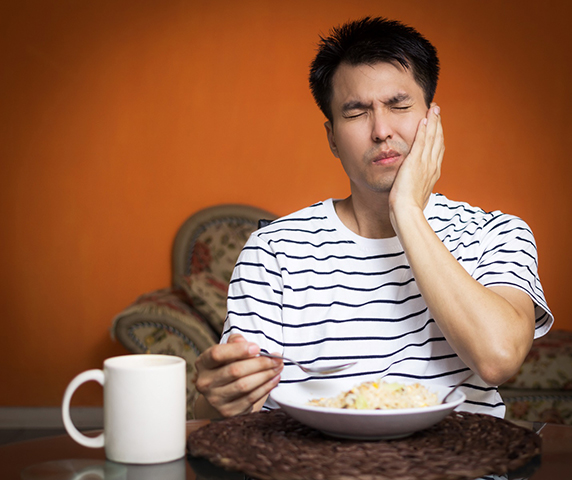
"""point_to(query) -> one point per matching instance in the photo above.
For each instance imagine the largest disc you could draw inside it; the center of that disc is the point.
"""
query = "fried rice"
(378, 395)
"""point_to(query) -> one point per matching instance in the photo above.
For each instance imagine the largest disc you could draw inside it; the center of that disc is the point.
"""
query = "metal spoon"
(457, 385)
(314, 370)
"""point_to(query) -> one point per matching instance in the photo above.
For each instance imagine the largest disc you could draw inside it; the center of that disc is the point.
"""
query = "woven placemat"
(274, 446)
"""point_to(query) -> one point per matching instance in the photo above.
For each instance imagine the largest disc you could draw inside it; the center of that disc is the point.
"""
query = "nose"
(381, 129)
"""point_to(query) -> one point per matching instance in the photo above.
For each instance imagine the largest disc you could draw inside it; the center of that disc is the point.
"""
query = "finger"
(239, 396)
(252, 366)
(244, 386)
(438, 145)
(245, 404)
(437, 151)
(236, 338)
(278, 361)
(225, 353)
(260, 395)
(210, 379)
(433, 122)
(419, 141)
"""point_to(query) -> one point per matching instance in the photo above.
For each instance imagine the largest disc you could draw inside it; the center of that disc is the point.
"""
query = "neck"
(367, 218)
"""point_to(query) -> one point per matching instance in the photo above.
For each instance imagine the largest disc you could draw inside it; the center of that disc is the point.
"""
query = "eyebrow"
(400, 97)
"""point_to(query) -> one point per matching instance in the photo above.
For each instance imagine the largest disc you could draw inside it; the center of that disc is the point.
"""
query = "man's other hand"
(234, 379)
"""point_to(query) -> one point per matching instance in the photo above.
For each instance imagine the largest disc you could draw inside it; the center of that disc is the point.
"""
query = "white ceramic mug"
(144, 408)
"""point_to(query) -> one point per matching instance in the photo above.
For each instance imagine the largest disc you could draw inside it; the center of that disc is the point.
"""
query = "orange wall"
(119, 118)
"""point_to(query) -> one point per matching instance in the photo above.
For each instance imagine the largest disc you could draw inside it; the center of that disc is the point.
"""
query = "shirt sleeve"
(509, 258)
(254, 304)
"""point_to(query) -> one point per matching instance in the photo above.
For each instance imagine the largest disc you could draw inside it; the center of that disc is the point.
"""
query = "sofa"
(542, 389)
(187, 317)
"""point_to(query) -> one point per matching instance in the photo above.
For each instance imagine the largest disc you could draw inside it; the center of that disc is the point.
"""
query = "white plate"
(360, 424)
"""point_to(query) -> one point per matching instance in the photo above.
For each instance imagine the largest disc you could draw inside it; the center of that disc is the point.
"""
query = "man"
(409, 283)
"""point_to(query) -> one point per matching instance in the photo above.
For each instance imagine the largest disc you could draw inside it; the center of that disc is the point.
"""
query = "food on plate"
(378, 395)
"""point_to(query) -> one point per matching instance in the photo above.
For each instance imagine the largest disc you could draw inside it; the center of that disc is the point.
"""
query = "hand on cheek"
(422, 166)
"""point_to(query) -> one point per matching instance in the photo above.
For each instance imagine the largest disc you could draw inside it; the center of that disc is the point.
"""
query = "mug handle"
(91, 442)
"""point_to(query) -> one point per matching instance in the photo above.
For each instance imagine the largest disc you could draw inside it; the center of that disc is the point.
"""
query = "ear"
(331, 138)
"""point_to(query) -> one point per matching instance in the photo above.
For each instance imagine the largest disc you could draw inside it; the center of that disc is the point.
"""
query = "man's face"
(376, 111)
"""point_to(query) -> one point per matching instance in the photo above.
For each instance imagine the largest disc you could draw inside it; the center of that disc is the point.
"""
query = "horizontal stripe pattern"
(307, 287)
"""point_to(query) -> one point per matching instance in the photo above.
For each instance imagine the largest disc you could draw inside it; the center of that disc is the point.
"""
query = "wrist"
(405, 216)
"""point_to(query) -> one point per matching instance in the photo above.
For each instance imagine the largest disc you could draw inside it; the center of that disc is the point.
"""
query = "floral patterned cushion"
(214, 254)
(208, 295)
(548, 364)
(552, 407)
(542, 389)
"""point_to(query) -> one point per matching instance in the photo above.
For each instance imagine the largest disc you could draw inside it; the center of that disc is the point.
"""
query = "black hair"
(369, 41)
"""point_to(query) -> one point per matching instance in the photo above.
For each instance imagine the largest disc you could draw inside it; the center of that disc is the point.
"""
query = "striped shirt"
(308, 287)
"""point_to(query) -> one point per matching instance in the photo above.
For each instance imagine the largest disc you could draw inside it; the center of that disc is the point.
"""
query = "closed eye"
(354, 116)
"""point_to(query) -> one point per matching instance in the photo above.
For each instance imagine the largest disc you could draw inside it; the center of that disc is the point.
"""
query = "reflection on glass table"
(60, 458)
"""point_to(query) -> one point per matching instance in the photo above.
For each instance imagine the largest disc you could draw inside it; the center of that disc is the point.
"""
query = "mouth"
(386, 157)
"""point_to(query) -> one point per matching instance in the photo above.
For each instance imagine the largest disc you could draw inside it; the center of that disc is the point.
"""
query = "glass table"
(60, 458)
